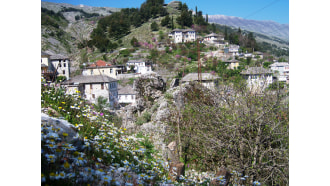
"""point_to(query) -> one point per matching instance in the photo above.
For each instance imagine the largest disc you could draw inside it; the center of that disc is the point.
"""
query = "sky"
(275, 10)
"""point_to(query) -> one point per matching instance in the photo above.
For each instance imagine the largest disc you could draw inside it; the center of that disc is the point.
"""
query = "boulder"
(222, 172)
(176, 169)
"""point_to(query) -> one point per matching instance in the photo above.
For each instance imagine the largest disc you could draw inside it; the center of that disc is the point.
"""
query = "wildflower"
(64, 134)
(106, 179)
(52, 175)
(256, 183)
(99, 172)
(79, 161)
(99, 159)
(89, 170)
(70, 175)
(66, 165)
(50, 157)
(43, 178)
(61, 175)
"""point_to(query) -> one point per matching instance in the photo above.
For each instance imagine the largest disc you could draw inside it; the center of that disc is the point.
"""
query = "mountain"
(56, 7)
(64, 26)
(269, 28)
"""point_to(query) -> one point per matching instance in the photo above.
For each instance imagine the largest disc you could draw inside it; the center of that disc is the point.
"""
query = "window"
(132, 96)
(93, 95)
(63, 71)
(102, 86)
(91, 71)
(59, 64)
(64, 64)
(110, 70)
(91, 86)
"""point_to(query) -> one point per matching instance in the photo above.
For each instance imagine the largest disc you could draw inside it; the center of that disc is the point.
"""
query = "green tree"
(166, 21)
(154, 26)
(134, 42)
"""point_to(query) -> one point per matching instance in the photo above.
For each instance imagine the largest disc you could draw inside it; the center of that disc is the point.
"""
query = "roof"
(126, 90)
(183, 30)
(194, 77)
(99, 63)
(89, 79)
(44, 54)
(231, 61)
(256, 70)
(58, 56)
(136, 61)
(212, 35)
(277, 64)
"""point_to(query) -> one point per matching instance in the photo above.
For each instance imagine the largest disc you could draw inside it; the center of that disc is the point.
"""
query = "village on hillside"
(100, 78)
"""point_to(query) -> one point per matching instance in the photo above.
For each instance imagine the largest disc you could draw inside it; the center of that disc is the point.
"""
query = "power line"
(268, 5)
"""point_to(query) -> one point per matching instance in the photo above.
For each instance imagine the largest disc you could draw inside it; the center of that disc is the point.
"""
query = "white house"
(281, 71)
(60, 64)
(208, 80)
(126, 94)
(141, 66)
(93, 86)
(232, 50)
(46, 67)
(182, 35)
(213, 38)
(103, 68)
(258, 78)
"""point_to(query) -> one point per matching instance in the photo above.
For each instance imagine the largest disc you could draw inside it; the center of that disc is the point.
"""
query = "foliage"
(134, 42)
(166, 22)
(50, 18)
(101, 155)
(154, 26)
(60, 79)
(266, 64)
(185, 19)
(145, 118)
(244, 132)
(118, 24)
(101, 104)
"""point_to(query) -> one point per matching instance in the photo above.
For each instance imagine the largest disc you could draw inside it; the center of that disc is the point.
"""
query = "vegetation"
(118, 24)
(244, 132)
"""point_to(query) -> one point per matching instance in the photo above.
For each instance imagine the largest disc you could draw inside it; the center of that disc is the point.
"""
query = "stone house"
(208, 80)
(141, 66)
(61, 64)
(281, 71)
(93, 86)
(232, 50)
(46, 65)
(213, 38)
(103, 68)
(126, 94)
(232, 64)
(257, 78)
(182, 35)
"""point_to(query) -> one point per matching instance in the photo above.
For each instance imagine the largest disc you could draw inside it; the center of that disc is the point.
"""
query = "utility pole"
(199, 63)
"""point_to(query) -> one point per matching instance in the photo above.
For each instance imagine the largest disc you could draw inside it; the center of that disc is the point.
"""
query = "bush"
(154, 26)
(60, 79)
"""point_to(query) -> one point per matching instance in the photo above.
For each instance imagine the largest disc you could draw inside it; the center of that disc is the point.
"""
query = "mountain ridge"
(267, 27)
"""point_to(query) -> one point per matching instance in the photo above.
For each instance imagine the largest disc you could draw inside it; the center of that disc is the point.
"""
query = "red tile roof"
(100, 63)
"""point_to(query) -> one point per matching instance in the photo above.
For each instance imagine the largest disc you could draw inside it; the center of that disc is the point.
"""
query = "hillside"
(269, 28)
